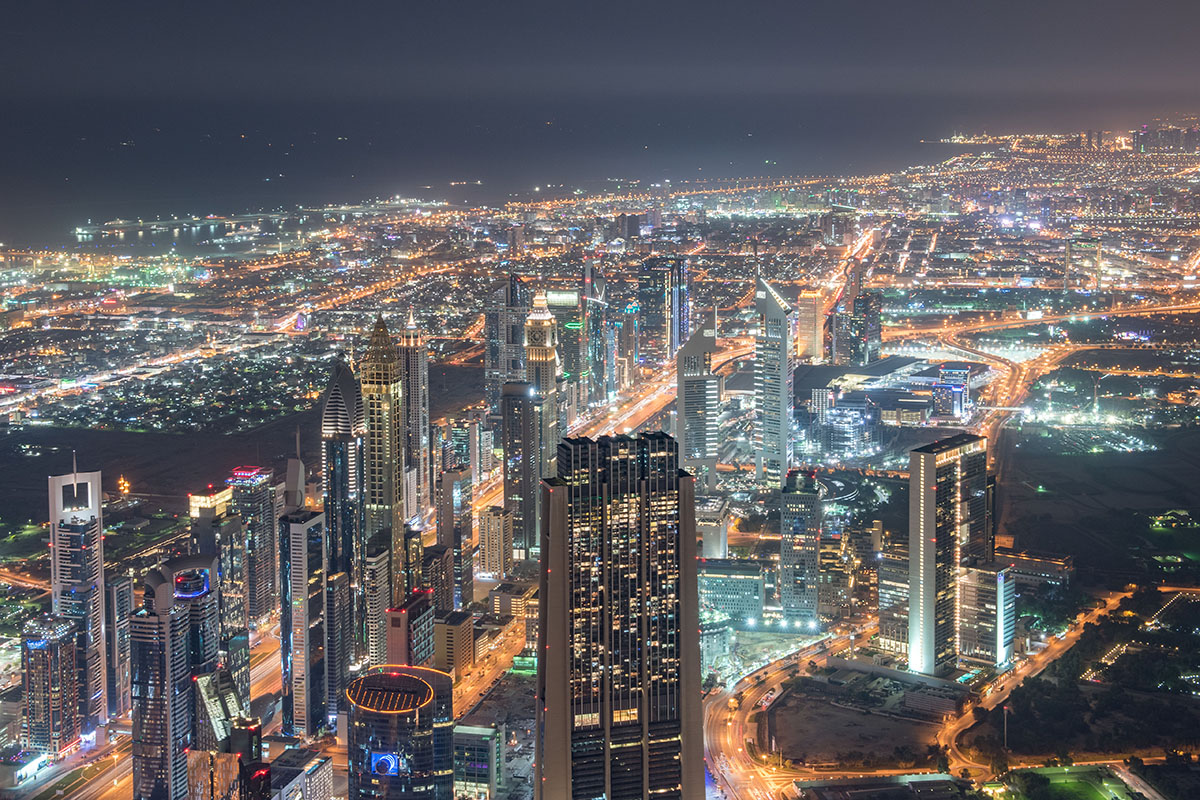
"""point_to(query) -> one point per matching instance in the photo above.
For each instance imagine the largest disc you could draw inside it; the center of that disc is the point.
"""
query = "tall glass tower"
(618, 686)
(774, 365)
(414, 374)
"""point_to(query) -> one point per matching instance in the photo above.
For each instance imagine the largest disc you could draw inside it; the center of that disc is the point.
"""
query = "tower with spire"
(414, 375)
(383, 474)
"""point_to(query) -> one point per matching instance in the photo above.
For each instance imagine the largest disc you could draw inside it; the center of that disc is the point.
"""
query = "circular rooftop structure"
(386, 692)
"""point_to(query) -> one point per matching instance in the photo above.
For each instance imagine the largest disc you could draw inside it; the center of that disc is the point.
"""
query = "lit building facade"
(521, 412)
(383, 477)
(414, 374)
(507, 306)
(118, 606)
(774, 365)
(454, 530)
(800, 521)
(302, 628)
(496, 542)
(698, 402)
(253, 499)
(50, 686)
(618, 686)
(664, 309)
(987, 617)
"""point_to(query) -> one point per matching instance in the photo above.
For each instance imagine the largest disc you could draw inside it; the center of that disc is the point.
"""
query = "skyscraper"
(698, 402)
(302, 623)
(857, 335)
(799, 548)
(520, 417)
(774, 365)
(595, 299)
(253, 500)
(454, 530)
(663, 296)
(618, 687)
(343, 433)
(504, 316)
(543, 370)
(810, 326)
(168, 633)
(401, 729)
(947, 522)
(221, 536)
(987, 614)
(575, 370)
(382, 390)
(118, 605)
(377, 580)
(77, 584)
(414, 374)
(496, 542)
(50, 688)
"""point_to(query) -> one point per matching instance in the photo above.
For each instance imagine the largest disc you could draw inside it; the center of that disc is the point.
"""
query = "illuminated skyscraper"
(774, 365)
(401, 735)
(810, 327)
(698, 402)
(856, 334)
(618, 687)
(220, 535)
(50, 722)
(520, 416)
(947, 522)
(454, 530)
(253, 499)
(570, 313)
(987, 615)
(496, 542)
(799, 549)
(663, 296)
(77, 584)
(543, 369)
(595, 299)
(382, 390)
(377, 578)
(504, 336)
(302, 622)
(414, 374)
(343, 434)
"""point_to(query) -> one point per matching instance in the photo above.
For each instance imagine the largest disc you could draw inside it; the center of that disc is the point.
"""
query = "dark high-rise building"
(254, 781)
(220, 535)
(520, 412)
(77, 583)
(414, 375)
(253, 500)
(507, 306)
(383, 402)
(947, 522)
(401, 735)
(118, 606)
(439, 576)
(595, 326)
(570, 313)
(799, 549)
(454, 525)
(857, 332)
(343, 436)
(663, 296)
(218, 708)
(618, 688)
(197, 590)
(50, 688)
(339, 642)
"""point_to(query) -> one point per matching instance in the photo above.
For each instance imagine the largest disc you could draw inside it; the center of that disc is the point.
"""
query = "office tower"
(401, 735)
(618, 685)
(412, 561)
(414, 376)
(254, 781)
(410, 630)
(453, 642)
(735, 587)
(479, 760)
(50, 686)
(952, 393)
(698, 402)
(301, 772)
(377, 580)
(162, 689)
(987, 614)
(77, 584)
(384, 474)
(947, 523)
(253, 499)
(543, 371)
(810, 327)
(218, 707)
(302, 621)
(506, 308)
(343, 436)
(212, 775)
(221, 536)
(439, 575)
(834, 575)
(595, 325)
(570, 313)
(800, 518)
(245, 739)
(496, 542)
(774, 364)
(339, 642)
(118, 605)
(520, 415)
(712, 524)
(892, 573)
(454, 530)
(663, 299)
(867, 308)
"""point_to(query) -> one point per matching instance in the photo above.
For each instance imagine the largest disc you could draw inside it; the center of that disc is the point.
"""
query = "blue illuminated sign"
(388, 764)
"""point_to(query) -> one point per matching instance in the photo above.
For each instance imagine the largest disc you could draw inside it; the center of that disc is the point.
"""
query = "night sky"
(132, 108)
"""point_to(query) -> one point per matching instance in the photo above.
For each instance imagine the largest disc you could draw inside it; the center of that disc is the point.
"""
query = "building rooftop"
(389, 692)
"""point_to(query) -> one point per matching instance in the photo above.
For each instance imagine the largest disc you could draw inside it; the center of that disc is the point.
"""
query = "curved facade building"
(401, 734)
